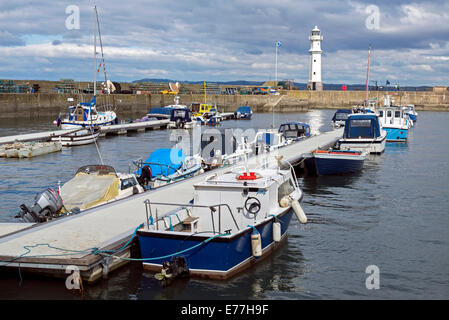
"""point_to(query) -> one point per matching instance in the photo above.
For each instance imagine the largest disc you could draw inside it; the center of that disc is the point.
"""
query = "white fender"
(299, 212)
(276, 231)
(256, 244)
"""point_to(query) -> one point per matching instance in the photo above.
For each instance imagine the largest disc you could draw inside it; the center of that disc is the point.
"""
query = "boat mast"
(367, 76)
(95, 51)
(205, 92)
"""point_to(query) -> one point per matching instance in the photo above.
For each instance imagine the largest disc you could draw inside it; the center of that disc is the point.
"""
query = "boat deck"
(41, 248)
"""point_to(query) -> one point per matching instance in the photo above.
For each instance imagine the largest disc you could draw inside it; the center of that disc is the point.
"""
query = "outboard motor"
(145, 176)
(47, 205)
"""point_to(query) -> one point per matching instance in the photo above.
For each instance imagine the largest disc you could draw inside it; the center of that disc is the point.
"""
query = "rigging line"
(102, 59)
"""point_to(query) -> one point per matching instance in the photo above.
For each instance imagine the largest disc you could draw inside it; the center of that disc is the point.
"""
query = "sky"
(226, 40)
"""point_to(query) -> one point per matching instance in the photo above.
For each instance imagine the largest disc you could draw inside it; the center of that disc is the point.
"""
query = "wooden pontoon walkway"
(112, 129)
(110, 226)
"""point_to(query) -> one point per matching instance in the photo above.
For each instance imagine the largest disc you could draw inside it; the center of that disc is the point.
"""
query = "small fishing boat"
(167, 112)
(91, 186)
(396, 122)
(268, 140)
(294, 131)
(410, 110)
(78, 137)
(333, 161)
(222, 149)
(207, 120)
(243, 113)
(363, 131)
(165, 166)
(181, 118)
(236, 219)
(85, 115)
(340, 116)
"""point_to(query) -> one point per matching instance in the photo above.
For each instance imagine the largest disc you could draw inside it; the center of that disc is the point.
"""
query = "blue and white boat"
(410, 110)
(233, 222)
(363, 131)
(333, 162)
(294, 131)
(340, 116)
(243, 113)
(181, 118)
(84, 115)
(267, 141)
(166, 166)
(395, 122)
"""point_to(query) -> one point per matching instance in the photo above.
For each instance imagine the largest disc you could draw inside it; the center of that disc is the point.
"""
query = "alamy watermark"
(73, 281)
(373, 280)
(372, 22)
(72, 22)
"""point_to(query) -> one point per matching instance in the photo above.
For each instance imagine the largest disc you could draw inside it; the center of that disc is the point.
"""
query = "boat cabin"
(247, 197)
(362, 126)
(294, 130)
(340, 116)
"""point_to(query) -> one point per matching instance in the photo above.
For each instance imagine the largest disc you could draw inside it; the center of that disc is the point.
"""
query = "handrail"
(211, 207)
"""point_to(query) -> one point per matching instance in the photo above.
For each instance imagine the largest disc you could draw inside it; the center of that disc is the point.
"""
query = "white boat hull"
(371, 145)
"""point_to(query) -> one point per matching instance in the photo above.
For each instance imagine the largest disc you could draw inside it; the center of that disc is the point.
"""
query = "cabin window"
(179, 113)
(360, 128)
(389, 113)
(397, 114)
(381, 113)
(285, 189)
(128, 183)
(341, 116)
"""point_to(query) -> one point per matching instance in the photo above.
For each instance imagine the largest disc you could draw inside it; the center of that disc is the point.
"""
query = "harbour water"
(393, 215)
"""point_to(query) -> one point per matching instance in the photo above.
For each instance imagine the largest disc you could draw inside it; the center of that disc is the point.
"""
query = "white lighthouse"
(315, 82)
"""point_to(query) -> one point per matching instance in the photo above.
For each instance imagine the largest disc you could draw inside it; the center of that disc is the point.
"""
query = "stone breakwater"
(47, 105)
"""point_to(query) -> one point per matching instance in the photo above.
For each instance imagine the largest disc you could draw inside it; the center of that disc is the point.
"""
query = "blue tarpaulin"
(165, 161)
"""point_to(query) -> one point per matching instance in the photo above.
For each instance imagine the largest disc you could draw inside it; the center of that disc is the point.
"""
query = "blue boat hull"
(220, 258)
(396, 135)
(337, 166)
(413, 117)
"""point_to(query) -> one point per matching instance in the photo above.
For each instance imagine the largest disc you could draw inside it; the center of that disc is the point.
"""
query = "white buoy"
(276, 231)
(299, 212)
(256, 243)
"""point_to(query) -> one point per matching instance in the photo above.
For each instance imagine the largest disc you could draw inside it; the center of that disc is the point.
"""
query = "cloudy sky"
(224, 40)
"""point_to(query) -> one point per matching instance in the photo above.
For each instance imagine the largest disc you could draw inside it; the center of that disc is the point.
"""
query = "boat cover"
(87, 190)
(165, 162)
(244, 109)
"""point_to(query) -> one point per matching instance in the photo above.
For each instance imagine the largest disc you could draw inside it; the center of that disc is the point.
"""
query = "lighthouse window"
(314, 73)
(314, 60)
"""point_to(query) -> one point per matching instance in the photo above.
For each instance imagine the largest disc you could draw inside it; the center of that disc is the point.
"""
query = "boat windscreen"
(360, 128)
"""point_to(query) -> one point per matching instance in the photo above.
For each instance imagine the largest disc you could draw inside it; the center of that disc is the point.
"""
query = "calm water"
(393, 215)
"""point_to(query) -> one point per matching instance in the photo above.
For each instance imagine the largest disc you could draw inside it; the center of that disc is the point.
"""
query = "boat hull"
(77, 140)
(244, 116)
(334, 163)
(84, 124)
(376, 146)
(219, 258)
(396, 134)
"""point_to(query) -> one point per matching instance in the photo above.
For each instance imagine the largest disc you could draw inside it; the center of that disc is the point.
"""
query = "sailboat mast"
(95, 51)
(367, 76)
